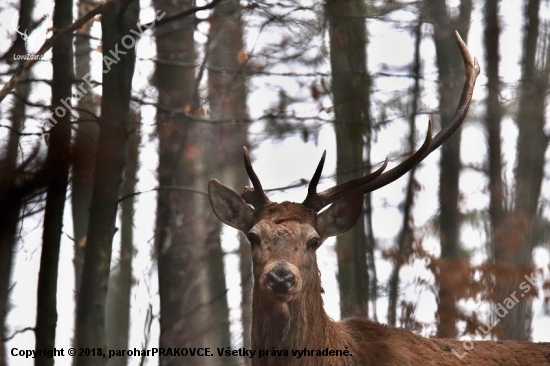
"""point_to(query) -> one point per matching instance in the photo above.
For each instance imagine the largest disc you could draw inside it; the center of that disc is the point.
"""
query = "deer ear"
(229, 206)
(340, 216)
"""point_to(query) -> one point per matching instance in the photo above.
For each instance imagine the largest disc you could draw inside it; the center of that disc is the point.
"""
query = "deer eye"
(253, 239)
(313, 243)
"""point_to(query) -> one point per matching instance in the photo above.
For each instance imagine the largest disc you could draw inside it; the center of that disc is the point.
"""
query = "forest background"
(125, 109)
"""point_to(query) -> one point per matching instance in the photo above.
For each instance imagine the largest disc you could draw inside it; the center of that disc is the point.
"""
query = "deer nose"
(280, 280)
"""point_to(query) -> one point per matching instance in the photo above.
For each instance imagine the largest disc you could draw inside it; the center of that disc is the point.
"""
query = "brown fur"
(300, 322)
(292, 317)
(287, 308)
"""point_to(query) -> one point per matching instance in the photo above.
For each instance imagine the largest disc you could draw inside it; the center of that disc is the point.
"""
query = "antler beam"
(316, 201)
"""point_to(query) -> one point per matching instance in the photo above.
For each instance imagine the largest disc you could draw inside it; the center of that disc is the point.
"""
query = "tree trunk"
(120, 282)
(227, 94)
(58, 166)
(84, 148)
(531, 148)
(350, 88)
(500, 231)
(449, 64)
(493, 119)
(10, 207)
(406, 236)
(117, 85)
(83, 152)
(181, 228)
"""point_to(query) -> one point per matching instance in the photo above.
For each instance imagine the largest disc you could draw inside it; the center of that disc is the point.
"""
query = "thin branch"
(81, 22)
(165, 188)
(93, 117)
(57, 34)
(180, 15)
(19, 133)
(17, 332)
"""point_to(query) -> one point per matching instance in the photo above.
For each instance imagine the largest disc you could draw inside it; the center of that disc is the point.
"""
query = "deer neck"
(296, 324)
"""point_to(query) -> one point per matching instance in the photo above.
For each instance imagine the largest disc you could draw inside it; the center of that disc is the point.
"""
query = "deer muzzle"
(281, 281)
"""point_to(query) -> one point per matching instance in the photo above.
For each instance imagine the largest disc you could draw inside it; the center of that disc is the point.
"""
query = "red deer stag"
(289, 324)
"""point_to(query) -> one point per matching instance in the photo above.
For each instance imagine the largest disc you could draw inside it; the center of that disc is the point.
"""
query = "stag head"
(284, 236)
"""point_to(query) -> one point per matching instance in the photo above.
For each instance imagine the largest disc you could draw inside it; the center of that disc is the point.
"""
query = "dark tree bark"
(113, 124)
(84, 148)
(10, 204)
(449, 64)
(83, 151)
(120, 283)
(350, 88)
(497, 214)
(493, 117)
(180, 239)
(58, 166)
(227, 93)
(10, 207)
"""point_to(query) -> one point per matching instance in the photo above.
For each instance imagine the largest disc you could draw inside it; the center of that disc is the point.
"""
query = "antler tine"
(312, 188)
(254, 196)
(316, 201)
(378, 179)
(472, 71)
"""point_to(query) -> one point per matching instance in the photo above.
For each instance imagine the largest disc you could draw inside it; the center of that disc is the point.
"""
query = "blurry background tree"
(226, 62)
(449, 85)
(114, 127)
(191, 282)
(524, 227)
(57, 163)
(287, 79)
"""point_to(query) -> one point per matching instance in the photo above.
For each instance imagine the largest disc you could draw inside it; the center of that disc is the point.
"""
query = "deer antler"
(316, 201)
(254, 196)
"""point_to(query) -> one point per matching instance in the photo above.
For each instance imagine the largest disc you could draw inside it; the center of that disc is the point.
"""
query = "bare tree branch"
(17, 332)
(57, 34)
(182, 14)
(79, 23)
(167, 188)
